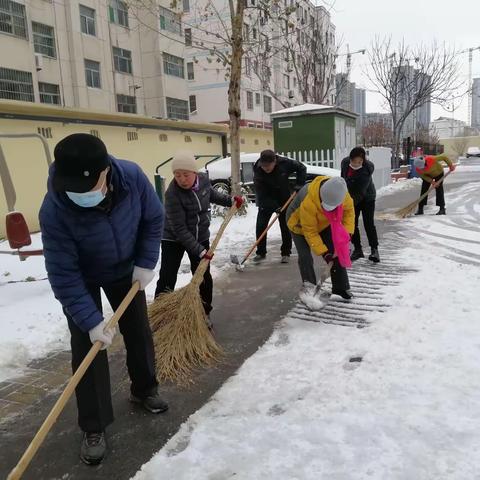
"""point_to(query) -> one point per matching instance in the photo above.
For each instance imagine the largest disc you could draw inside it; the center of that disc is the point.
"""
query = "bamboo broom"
(181, 336)
(410, 208)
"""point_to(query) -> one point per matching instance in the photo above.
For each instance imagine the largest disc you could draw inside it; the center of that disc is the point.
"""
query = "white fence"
(320, 158)
(380, 156)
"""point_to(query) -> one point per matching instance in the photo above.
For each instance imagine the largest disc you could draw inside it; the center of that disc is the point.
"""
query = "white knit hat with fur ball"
(184, 160)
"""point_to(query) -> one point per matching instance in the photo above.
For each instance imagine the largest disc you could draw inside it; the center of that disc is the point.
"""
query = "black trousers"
(367, 210)
(439, 193)
(93, 393)
(263, 218)
(172, 254)
(338, 273)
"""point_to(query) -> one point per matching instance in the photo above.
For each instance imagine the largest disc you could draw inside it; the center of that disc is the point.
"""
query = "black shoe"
(419, 211)
(285, 259)
(209, 324)
(93, 448)
(258, 258)
(442, 211)
(153, 403)
(356, 254)
(346, 294)
(374, 256)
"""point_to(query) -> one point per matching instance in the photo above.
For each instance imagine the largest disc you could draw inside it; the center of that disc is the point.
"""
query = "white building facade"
(444, 127)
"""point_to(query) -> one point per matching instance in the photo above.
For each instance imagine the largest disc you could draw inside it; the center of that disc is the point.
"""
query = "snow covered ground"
(300, 409)
(31, 320)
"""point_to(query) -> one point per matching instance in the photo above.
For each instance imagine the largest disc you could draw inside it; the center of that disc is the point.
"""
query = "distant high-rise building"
(351, 98)
(475, 120)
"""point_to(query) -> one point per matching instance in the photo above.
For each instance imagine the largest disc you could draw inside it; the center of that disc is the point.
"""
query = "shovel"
(234, 258)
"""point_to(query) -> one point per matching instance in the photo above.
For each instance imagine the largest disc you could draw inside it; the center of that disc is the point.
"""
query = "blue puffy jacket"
(98, 247)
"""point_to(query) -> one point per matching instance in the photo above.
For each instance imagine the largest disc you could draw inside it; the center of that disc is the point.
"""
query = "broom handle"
(233, 210)
(260, 238)
(37, 441)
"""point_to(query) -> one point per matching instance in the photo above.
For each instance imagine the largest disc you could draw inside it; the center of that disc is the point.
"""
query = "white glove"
(143, 275)
(100, 333)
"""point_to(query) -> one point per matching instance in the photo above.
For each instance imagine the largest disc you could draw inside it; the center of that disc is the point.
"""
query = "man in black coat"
(271, 175)
(357, 172)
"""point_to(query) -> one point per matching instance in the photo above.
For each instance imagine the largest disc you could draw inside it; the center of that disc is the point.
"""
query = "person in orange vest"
(430, 169)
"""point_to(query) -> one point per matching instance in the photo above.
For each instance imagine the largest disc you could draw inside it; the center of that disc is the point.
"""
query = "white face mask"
(356, 168)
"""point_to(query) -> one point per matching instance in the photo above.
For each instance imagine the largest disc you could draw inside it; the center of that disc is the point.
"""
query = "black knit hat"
(267, 156)
(79, 160)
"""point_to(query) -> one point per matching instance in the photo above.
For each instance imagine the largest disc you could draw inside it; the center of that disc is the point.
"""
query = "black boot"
(356, 254)
(374, 256)
(346, 294)
(258, 258)
(153, 403)
(93, 448)
(419, 211)
(442, 211)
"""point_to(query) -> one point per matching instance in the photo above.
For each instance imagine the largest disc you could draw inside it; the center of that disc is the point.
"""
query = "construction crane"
(470, 82)
(349, 54)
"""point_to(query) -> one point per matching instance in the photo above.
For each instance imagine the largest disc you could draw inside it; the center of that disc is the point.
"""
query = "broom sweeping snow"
(181, 336)
(410, 208)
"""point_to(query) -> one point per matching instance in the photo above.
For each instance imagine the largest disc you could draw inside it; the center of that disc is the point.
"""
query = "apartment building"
(93, 54)
(275, 44)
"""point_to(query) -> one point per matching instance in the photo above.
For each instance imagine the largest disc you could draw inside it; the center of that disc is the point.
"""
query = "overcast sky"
(455, 22)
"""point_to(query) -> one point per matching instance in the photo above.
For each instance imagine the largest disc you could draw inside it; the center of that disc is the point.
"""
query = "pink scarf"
(340, 236)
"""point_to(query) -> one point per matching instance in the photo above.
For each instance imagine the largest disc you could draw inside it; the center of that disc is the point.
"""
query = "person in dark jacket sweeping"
(101, 224)
(357, 172)
(187, 205)
(271, 175)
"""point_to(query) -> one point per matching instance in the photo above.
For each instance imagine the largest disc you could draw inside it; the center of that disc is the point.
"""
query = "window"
(132, 136)
(248, 67)
(267, 104)
(163, 137)
(192, 100)
(186, 5)
(13, 19)
(249, 101)
(122, 59)
(43, 39)
(173, 65)
(95, 133)
(188, 37)
(254, 33)
(118, 13)
(169, 21)
(16, 85)
(209, 139)
(294, 82)
(49, 93)
(246, 32)
(45, 132)
(126, 104)
(92, 74)
(190, 71)
(286, 54)
(187, 138)
(258, 99)
(87, 20)
(255, 66)
(286, 82)
(177, 109)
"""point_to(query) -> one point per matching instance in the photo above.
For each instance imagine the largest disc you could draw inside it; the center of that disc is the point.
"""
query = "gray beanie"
(419, 162)
(332, 193)
(184, 160)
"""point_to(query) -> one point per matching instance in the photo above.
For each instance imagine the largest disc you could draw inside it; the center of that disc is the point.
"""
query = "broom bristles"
(181, 336)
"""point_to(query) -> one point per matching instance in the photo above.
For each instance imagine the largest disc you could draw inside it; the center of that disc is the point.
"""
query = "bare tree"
(376, 134)
(222, 30)
(408, 77)
(424, 135)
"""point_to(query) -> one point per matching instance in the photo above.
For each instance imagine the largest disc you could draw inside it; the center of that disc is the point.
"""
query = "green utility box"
(314, 129)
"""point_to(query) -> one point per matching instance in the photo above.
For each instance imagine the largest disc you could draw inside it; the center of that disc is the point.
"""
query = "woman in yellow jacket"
(321, 219)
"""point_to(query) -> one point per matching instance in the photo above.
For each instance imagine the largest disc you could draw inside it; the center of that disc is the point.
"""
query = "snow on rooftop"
(306, 107)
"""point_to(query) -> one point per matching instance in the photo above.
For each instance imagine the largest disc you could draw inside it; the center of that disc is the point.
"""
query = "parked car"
(219, 172)
(473, 152)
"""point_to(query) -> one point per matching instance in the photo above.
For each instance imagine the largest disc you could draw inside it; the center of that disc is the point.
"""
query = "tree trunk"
(234, 110)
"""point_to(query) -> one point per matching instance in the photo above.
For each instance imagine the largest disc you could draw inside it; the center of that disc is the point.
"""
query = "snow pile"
(313, 299)
(304, 407)
(400, 186)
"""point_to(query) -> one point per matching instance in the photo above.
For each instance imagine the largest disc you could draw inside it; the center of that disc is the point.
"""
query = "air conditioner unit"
(291, 94)
(38, 62)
